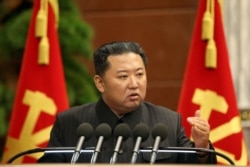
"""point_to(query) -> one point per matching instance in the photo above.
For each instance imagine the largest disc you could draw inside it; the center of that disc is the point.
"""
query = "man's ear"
(99, 83)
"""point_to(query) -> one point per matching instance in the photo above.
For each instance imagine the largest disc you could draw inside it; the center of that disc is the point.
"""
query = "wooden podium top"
(113, 165)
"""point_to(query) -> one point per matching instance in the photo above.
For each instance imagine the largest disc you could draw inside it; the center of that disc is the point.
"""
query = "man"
(122, 81)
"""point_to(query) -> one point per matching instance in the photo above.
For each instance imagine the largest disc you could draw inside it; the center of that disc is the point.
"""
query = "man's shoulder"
(79, 110)
(158, 108)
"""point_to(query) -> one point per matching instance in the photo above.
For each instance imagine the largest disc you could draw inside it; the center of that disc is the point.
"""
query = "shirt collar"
(106, 115)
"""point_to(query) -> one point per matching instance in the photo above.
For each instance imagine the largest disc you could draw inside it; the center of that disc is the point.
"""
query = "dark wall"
(163, 28)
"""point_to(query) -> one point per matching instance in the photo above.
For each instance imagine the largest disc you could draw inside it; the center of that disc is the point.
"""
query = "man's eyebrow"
(124, 70)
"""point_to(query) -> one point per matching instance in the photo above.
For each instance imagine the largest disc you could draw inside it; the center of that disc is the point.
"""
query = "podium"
(113, 165)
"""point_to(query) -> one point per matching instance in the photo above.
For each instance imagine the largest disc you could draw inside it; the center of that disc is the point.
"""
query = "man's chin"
(133, 106)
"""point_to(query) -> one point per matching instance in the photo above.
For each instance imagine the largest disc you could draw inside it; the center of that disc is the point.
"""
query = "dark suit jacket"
(63, 134)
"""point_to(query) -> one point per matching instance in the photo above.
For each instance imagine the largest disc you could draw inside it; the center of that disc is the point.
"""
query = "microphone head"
(103, 130)
(123, 130)
(84, 129)
(141, 130)
(160, 130)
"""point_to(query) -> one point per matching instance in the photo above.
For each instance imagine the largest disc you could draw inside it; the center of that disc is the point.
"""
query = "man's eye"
(123, 76)
(139, 74)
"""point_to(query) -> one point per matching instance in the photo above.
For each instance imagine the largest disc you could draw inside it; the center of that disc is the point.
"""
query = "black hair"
(115, 48)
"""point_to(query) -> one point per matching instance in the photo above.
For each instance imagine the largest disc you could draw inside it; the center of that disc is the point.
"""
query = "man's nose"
(133, 82)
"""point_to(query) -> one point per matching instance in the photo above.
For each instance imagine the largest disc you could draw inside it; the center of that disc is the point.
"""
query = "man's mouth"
(134, 96)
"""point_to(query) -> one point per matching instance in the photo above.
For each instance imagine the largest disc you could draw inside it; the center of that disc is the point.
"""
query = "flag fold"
(41, 90)
(208, 85)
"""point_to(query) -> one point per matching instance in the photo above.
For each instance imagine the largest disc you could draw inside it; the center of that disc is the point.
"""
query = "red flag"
(41, 90)
(208, 85)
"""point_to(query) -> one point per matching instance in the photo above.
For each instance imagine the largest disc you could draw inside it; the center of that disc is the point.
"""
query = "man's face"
(124, 84)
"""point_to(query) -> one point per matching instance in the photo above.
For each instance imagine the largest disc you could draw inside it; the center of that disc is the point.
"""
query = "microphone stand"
(154, 149)
(136, 150)
(187, 150)
(116, 150)
(97, 150)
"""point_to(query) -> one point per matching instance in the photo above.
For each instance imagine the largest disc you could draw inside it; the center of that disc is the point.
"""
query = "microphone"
(84, 132)
(140, 134)
(159, 133)
(103, 132)
(121, 133)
